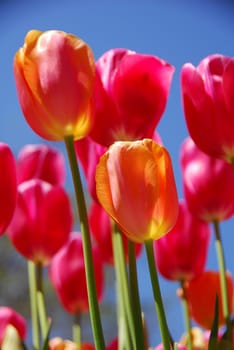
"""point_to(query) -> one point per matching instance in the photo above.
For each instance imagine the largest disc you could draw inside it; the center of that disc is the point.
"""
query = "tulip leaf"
(46, 342)
(213, 340)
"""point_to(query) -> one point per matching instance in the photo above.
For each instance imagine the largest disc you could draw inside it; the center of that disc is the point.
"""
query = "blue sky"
(177, 31)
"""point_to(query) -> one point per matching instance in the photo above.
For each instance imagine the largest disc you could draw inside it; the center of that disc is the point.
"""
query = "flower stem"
(222, 272)
(187, 320)
(41, 302)
(88, 258)
(76, 336)
(33, 303)
(135, 297)
(157, 295)
(125, 317)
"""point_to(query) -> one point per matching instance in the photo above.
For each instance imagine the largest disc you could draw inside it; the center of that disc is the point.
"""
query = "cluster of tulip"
(106, 113)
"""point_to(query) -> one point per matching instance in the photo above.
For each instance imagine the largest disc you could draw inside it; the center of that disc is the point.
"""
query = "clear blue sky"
(177, 31)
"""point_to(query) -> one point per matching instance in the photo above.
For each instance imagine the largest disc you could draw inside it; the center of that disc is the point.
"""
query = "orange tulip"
(201, 294)
(135, 185)
(54, 74)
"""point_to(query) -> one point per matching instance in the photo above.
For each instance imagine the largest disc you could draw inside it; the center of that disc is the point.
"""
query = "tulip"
(42, 220)
(101, 229)
(130, 95)
(208, 183)
(89, 152)
(179, 347)
(135, 185)
(207, 92)
(8, 185)
(67, 274)
(201, 294)
(181, 254)
(41, 162)
(54, 73)
(9, 316)
(58, 343)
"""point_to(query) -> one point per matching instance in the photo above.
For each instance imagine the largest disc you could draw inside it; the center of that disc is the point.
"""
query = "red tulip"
(9, 316)
(208, 183)
(136, 187)
(54, 74)
(41, 222)
(208, 97)
(181, 254)
(67, 274)
(201, 294)
(101, 229)
(130, 94)
(8, 185)
(41, 162)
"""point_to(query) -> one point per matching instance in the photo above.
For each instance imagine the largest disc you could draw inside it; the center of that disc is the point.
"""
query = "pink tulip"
(41, 162)
(89, 152)
(101, 229)
(130, 95)
(8, 185)
(181, 254)
(8, 316)
(208, 183)
(42, 220)
(208, 97)
(179, 346)
(67, 274)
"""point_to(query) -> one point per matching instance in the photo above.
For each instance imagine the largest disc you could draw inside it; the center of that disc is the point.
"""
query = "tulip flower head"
(67, 274)
(8, 186)
(205, 288)
(54, 74)
(41, 162)
(181, 254)
(101, 229)
(207, 92)
(9, 316)
(42, 220)
(130, 95)
(135, 185)
(208, 183)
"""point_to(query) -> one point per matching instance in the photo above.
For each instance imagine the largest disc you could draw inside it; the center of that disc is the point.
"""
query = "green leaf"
(213, 340)
(46, 342)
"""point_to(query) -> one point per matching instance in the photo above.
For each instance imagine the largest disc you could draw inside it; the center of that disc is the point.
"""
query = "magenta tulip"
(181, 254)
(8, 185)
(41, 222)
(208, 97)
(41, 162)
(9, 316)
(67, 274)
(130, 95)
(208, 183)
(89, 152)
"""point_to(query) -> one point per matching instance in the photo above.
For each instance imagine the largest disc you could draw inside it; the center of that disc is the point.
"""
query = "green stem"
(41, 302)
(125, 317)
(135, 297)
(187, 320)
(88, 258)
(76, 335)
(157, 295)
(222, 272)
(33, 303)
